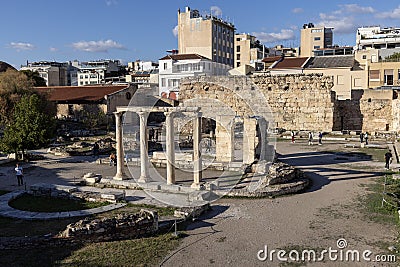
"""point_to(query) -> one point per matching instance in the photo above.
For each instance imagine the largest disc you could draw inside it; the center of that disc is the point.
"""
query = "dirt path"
(237, 229)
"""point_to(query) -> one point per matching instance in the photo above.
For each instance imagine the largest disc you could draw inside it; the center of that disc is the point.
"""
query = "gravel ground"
(237, 229)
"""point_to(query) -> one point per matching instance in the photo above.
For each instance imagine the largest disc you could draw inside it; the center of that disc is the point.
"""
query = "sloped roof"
(183, 57)
(331, 62)
(291, 63)
(271, 59)
(4, 66)
(79, 93)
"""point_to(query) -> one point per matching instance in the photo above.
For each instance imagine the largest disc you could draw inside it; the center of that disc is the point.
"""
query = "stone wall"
(120, 227)
(368, 111)
(298, 102)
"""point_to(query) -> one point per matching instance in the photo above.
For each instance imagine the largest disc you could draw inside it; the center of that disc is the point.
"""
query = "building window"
(317, 47)
(340, 80)
(357, 82)
(163, 82)
(238, 48)
(238, 56)
(364, 57)
(238, 64)
(165, 65)
(374, 75)
(317, 38)
(388, 77)
(238, 39)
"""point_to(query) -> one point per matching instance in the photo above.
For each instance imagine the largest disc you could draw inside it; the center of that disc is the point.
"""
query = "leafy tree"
(35, 77)
(13, 85)
(32, 126)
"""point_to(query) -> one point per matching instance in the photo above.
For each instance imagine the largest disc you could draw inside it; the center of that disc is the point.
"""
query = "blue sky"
(129, 30)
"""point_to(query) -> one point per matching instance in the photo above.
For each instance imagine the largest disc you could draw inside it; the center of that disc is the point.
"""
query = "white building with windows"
(173, 68)
(97, 72)
(54, 73)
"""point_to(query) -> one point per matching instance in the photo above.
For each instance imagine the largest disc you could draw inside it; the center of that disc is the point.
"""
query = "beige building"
(249, 51)
(312, 38)
(208, 36)
(346, 73)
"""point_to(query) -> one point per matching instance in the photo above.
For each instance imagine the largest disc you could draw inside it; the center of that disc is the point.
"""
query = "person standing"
(19, 173)
(319, 138)
(361, 137)
(292, 135)
(366, 138)
(388, 159)
(310, 138)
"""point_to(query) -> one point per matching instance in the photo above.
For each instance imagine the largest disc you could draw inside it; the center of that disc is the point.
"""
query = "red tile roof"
(183, 57)
(79, 93)
(291, 63)
(271, 59)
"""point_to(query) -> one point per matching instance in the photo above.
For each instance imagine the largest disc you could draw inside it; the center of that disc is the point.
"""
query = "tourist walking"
(292, 135)
(366, 138)
(310, 138)
(113, 159)
(19, 173)
(388, 159)
(96, 149)
(319, 138)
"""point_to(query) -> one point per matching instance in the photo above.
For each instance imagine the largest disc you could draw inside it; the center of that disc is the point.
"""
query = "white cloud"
(394, 14)
(111, 2)
(175, 31)
(22, 46)
(53, 49)
(284, 34)
(97, 46)
(354, 8)
(216, 11)
(297, 10)
(340, 25)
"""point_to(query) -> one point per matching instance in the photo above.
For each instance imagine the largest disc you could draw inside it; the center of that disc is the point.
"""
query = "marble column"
(170, 147)
(120, 175)
(197, 163)
(144, 157)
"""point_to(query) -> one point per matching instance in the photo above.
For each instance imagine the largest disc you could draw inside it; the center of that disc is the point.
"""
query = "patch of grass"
(138, 252)
(375, 153)
(29, 202)
(371, 203)
(36, 257)
(162, 211)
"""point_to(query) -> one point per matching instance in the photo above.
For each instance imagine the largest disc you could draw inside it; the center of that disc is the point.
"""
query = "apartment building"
(99, 71)
(312, 38)
(54, 73)
(249, 51)
(206, 35)
(172, 68)
(375, 37)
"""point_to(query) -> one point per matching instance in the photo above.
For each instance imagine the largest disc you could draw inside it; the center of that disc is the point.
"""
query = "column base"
(144, 179)
(121, 177)
(196, 186)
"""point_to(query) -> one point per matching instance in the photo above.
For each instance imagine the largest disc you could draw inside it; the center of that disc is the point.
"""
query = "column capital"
(119, 113)
(170, 113)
